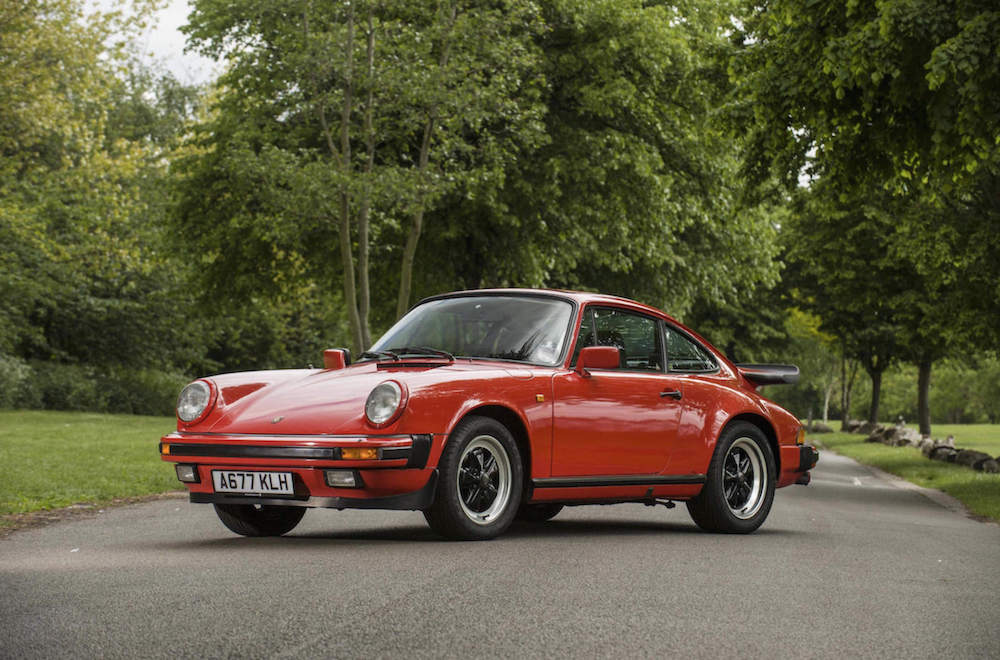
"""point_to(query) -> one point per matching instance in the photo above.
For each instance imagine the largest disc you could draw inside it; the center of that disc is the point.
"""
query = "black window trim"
(590, 308)
(666, 357)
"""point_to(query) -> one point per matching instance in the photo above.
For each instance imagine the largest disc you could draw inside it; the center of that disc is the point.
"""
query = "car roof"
(579, 297)
(584, 297)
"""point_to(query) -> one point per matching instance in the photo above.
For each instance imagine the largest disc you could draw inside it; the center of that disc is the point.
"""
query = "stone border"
(932, 448)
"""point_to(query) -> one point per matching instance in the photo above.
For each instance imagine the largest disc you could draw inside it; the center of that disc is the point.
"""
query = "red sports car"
(480, 407)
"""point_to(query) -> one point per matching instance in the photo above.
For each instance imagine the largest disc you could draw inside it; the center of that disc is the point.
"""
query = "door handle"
(673, 394)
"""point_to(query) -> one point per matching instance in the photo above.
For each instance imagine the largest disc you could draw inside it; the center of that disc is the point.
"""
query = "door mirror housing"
(597, 357)
(336, 358)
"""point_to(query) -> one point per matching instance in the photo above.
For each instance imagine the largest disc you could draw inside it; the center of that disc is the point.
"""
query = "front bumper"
(401, 474)
(417, 500)
(399, 451)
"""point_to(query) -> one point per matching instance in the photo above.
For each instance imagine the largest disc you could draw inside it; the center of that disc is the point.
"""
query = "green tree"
(842, 270)
(85, 277)
(340, 124)
(894, 107)
(635, 188)
(580, 145)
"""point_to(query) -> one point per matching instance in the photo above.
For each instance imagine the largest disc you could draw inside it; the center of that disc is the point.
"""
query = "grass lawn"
(54, 459)
(977, 490)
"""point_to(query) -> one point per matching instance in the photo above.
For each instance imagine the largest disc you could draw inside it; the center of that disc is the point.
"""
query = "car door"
(616, 421)
(704, 387)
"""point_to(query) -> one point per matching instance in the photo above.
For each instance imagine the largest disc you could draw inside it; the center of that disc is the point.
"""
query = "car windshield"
(504, 327)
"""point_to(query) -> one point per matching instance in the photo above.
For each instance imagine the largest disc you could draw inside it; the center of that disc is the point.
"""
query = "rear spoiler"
(769, 374)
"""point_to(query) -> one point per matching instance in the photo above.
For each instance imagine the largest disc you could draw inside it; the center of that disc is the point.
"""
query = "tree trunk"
(826, 401)
(416, 226)
(346, 253)
(876, 394)
(848, 371)
(364, 293)
(845, 404)
(417, 223)
(343, 160)
(923, 397)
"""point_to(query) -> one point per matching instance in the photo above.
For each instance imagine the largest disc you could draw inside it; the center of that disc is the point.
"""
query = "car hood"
(308, 402)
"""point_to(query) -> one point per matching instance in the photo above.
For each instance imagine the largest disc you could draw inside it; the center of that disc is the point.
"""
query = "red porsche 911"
(481, 407)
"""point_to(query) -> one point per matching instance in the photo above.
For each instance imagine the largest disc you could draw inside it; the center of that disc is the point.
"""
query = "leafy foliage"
(800, 180)
(890, 109)
(580, 149)
(81, 195)
(634, 190)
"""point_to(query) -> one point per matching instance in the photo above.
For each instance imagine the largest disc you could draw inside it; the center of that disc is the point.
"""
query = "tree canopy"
(576, 146)
(803, 178)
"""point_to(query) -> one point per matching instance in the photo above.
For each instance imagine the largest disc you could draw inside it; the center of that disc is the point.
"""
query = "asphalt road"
(851, 566)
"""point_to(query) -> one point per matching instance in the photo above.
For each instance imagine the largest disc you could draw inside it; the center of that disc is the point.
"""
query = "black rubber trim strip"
(421, 451)
(769, 374)
(252, 451)
(304, 436)
(808, 456)
(417, 500)
(624, 480)
(416, 456)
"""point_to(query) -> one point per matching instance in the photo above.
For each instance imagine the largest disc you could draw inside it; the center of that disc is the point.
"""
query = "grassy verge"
(54, 459)
(978, 491)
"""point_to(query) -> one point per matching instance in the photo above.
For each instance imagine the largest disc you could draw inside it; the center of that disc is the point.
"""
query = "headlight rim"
(209, 406)
(404, 397)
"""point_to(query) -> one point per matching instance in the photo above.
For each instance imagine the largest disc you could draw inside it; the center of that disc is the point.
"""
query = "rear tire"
(481, 481)
(538, 512)
(739, 488)
(259, 520)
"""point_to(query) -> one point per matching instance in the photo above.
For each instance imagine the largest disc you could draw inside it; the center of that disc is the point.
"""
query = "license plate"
(252, 483)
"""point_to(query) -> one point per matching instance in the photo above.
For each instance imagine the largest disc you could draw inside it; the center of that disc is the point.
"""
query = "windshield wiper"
(380, 354)
(423, 350)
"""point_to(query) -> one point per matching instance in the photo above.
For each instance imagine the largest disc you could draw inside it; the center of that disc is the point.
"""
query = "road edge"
(15, 522)
(939, 497)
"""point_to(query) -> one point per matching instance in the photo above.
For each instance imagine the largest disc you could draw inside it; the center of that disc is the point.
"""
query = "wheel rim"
(484, 478)
(744, 478)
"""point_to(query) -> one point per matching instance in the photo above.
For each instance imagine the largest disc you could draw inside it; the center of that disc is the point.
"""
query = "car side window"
(685, 355)
(633, 335)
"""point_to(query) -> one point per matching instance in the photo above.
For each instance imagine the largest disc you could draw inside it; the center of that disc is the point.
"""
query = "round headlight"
(193, 401)
(384, 403)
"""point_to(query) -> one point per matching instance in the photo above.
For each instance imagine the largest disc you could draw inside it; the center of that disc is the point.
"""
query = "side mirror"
(336, 358)
(597, 357)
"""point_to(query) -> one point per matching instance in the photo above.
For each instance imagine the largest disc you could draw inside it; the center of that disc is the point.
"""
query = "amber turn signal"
(359, 454)
(164, 449)
(800, 437)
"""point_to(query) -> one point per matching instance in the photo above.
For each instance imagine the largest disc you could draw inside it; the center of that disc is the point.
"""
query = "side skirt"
(623, 480)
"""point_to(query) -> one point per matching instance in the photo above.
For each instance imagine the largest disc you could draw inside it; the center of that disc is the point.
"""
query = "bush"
(17, 384)
(69, 387)
(57, 386)
(143, 392)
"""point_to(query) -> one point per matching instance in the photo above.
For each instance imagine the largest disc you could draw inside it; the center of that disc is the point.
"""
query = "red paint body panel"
(605, 424)
(614, 422)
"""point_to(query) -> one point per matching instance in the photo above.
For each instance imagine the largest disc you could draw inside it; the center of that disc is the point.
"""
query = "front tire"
(259, 520)
(739, 488)
(481, 481)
